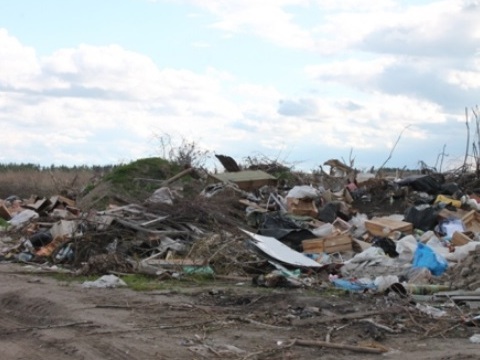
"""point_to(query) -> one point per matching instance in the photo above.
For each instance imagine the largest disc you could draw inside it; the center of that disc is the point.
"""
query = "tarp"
(425, 183)
(285, 229)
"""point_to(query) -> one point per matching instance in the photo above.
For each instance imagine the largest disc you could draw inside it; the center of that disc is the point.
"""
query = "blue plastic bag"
(353, 285)
(425, 257)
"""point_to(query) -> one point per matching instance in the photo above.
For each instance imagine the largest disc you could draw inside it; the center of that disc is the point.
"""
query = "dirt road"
(44, 318)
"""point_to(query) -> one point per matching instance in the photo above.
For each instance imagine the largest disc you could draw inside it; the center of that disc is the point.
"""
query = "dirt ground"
(45, 318)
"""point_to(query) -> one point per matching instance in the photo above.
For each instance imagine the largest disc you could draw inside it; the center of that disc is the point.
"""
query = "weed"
(88, 188)
(4, 223)
(139, 282)
(70, 278)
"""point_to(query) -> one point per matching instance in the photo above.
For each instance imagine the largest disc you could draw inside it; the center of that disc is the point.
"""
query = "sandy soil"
(43, 318)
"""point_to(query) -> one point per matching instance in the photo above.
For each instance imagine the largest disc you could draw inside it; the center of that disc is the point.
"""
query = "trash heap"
(353, 231)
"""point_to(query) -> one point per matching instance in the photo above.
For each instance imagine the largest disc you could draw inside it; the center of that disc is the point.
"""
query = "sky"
(102, 82)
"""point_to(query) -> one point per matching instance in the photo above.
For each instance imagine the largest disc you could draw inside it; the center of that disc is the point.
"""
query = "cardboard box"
(303, 207)
(331, 244)
(459, 239)
(471, 220)
(385, 226)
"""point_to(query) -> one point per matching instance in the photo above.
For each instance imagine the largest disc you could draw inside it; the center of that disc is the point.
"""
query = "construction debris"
(248, 224)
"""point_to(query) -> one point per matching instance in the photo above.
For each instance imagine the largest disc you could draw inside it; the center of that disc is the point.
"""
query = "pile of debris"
(245, 223)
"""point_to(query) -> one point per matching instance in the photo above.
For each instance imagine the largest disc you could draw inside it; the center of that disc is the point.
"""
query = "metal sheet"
(281, 252)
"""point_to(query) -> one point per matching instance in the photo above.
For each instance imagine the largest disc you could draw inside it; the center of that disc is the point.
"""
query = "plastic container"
(447, 200)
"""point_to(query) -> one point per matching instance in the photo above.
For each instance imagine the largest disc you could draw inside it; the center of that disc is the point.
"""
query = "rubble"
(245, 223)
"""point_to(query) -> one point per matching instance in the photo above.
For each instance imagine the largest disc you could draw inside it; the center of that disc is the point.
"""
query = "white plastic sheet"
(281, 252)
(106, 281)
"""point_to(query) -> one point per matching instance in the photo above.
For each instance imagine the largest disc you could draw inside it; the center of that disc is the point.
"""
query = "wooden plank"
(303, 207)
(38, 205)
(253, 205)
(338, 243)
(385, 226)
(154, 222)
(362, 245)
(460, 238)
(66, 201)
(472, 221)
(4, 213)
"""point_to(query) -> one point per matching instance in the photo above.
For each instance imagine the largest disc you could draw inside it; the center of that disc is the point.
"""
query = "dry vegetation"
(24, 182)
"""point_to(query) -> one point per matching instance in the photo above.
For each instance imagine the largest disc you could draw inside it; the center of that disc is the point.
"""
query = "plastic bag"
(369, 254)
(358, 224)
(303, 192)
(406, 248)
(354, 284)
(324, 230)
(447, 227)
(383, 282)
(427, 258)
(22, 218)
(422, 218)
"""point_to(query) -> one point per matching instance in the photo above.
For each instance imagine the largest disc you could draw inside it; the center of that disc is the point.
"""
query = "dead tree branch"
(468, 141)
(393, 148)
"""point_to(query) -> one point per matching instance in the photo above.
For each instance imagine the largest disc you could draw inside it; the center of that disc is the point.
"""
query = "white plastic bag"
(23, 218)
(406, 248)
(304, 192)
(384, 282)
(324, 230)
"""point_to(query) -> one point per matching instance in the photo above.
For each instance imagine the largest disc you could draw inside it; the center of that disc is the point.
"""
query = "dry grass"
(45, 183)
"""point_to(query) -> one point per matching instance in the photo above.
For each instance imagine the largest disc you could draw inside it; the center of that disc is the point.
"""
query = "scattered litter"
(105, 282)
(418, 236)
(475, 339)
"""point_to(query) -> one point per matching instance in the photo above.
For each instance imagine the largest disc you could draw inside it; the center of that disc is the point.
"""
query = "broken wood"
(4, 213)
(380, 326)
(363, 349)
(354, 316)
(138, 227)
(176, 177)
(257, 323)
(154, 222)
(46, 327)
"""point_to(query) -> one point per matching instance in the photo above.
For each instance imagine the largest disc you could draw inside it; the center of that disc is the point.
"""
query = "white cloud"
(114, 100)
(355, 5)
(266, 19)
(445, 28)
(78, 95)
(19, 63)
(351, 71)
(466, 79)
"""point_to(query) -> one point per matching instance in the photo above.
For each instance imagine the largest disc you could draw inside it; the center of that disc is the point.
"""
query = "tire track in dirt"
(31, 311)
(27, 331)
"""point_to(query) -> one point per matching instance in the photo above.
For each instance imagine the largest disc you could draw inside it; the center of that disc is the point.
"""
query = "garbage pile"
(248, 223)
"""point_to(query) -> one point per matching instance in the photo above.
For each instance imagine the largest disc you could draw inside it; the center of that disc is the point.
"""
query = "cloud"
(19, 63)
(447, 29)
(267, 19)
(435, 86)
(355, 5)
(450, 84)
(76, 94)
(353, 72)
(466, 79)
(301, 107)
(114, 100)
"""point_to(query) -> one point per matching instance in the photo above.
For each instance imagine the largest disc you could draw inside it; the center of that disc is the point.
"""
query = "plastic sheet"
(427, 258)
